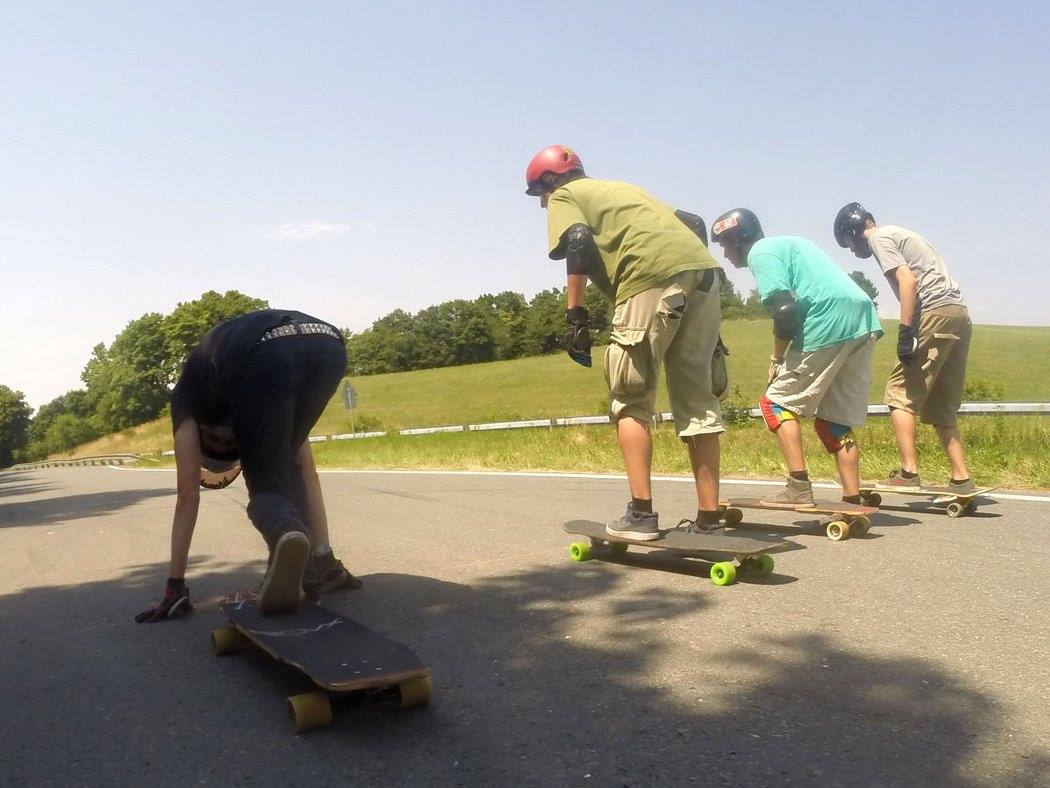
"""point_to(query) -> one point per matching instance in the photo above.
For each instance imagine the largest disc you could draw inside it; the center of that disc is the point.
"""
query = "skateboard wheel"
(860, 524)
(617, 548)
(765, 564)
(579, 551)
(872, 499)
(227, 640)
(732, 515)
(838, 530)
(723, 573)
(955, 509)
(309, 710)
(415, 692)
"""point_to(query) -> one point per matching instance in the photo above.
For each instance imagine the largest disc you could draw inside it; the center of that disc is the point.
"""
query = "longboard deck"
(716, 543)
(941, 494)
(817, 507)
(337, 653)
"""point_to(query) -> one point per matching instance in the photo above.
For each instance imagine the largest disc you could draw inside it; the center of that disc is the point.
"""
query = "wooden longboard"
(955, 504)
(841, 521)
(749, 552)
(338, 654)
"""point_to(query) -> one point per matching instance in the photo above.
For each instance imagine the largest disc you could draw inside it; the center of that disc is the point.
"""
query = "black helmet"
(736, 227)
(850, 223)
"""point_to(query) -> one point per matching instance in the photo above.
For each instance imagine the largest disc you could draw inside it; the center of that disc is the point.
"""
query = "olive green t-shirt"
(641, 241)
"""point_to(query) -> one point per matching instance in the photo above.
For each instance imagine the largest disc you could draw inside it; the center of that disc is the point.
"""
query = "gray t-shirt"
(895, 246)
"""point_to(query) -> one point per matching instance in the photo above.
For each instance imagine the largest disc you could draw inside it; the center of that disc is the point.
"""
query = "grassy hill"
(1013, 358)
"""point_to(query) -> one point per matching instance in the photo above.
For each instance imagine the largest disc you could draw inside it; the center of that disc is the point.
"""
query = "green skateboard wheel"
(723, 573)
(765, 563)
(579, 551)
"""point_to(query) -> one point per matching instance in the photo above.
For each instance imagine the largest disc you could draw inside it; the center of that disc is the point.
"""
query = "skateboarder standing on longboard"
(824, 333)
(932, 345)
(247, 399)
(652, 262)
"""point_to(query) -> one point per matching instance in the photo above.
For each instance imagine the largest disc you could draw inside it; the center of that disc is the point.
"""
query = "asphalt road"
(916, 656)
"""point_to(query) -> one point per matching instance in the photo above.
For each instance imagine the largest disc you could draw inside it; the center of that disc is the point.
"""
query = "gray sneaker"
(963, 488)
(897, 481)
(326, 573)
(797, 493)
(640, 526)
(282, 588)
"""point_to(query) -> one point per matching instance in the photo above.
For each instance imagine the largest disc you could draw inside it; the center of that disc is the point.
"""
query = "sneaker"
(797, 493)
(699, 527)
(326, 573)
(962, 488)
(282, 587)
(640, 526)
(897, 481)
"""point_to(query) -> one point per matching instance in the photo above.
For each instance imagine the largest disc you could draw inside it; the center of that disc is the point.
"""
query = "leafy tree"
(74, 402)
(14, 423)
(128, 382)
(865, 284)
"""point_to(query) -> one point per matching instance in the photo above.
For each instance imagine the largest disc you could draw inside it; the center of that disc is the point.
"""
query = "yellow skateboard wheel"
(227, 640)
(415, 692)
(838, 530)
(309, 711)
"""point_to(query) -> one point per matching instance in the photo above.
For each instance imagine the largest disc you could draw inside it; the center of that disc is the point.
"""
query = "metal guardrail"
(971, 408)
(98, 459)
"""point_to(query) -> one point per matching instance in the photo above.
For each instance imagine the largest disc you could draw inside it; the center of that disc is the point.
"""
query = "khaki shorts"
(931, 386)
(675, 326)
(831, 383)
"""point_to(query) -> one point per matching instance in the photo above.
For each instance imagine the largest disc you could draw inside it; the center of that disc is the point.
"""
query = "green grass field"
(1012, 358)
(1006, 451)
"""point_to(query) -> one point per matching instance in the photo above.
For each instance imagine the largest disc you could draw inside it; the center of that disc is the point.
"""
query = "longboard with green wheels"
(732, 555)
(340, 656)
(954, 504)
(841, 521)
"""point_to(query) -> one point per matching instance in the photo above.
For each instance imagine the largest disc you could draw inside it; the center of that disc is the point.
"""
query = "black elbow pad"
(785, 315)
(694, 223)
(579, 249)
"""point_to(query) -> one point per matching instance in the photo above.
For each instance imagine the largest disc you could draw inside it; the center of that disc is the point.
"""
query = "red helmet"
(554, 158)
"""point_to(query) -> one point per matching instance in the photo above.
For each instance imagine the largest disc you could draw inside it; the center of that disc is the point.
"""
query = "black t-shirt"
(220, 355)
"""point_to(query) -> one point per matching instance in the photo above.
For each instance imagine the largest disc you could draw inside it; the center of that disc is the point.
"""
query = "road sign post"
(350, 401)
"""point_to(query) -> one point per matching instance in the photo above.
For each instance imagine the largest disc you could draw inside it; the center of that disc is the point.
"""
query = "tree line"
(126, 383)
(129, 381)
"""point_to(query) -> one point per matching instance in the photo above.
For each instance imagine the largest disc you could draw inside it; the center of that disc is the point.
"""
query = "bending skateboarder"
(932, 345)
(824, 333)
(247, 398)
(652, 263)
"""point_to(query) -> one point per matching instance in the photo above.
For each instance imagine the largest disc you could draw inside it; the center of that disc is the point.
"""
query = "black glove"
(176, 603)
(578, 336)
(906, 343)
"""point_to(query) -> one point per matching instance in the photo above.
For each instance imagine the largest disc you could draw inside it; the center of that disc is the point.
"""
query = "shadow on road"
(73, 507)
(544, 676)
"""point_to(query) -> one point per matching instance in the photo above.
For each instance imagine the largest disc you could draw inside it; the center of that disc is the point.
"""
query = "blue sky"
(350, 158)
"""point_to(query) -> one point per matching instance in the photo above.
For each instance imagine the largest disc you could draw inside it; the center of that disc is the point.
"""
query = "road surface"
(916, 656)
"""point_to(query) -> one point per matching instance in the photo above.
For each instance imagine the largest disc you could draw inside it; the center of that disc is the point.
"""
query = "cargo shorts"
(830, 383)
(931, 385)
(674, 326)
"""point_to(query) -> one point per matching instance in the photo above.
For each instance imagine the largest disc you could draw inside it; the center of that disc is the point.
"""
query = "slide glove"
(578, 336)
(906, 343)
(176, 603)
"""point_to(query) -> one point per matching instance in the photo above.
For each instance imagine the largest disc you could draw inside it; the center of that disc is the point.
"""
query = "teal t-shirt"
(833, 306)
